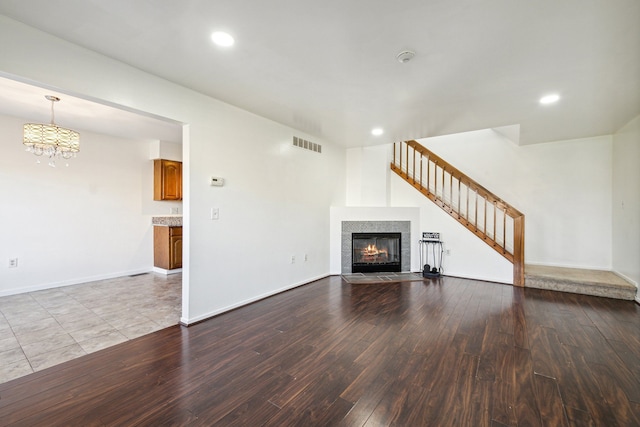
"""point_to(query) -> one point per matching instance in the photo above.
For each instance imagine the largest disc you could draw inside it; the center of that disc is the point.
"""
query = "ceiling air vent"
(307, 145)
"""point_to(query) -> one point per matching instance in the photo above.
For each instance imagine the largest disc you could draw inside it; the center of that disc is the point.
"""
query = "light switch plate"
(215, 213)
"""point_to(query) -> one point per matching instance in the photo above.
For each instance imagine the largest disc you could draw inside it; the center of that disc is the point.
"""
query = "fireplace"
(376, 252)
(349, 228)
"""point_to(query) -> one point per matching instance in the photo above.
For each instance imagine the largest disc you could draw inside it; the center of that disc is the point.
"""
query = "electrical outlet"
(293, 259)
(447, 252)
(306, 257)
(13, 262)
(174, 210)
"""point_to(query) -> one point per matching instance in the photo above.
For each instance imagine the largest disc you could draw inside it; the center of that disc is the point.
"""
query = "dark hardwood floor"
(448, 352)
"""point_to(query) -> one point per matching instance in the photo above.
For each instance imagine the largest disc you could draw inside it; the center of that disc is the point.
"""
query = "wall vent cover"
(307, 145)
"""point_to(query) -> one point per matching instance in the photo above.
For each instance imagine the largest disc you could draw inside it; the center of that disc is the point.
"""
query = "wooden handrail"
(436, 191)
(464, 179)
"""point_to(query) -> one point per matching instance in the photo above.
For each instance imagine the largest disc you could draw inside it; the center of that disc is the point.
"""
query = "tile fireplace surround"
(349, 227)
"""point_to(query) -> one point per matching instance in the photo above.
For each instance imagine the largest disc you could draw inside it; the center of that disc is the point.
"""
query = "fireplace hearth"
(376, 252)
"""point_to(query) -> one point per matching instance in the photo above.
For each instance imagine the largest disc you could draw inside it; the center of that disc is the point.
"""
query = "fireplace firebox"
(376, 252)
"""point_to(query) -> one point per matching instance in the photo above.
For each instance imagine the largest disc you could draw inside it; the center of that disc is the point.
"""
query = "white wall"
(166, 150)
(626, 201)
(563, 188)
(274, 205)
(366, 185)
(276, 200)
(88, 221)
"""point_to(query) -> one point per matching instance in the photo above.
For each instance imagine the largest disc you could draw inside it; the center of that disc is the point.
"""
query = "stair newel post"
(518, 251)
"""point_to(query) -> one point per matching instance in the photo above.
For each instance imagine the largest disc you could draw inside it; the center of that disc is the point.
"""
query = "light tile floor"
(44, 328)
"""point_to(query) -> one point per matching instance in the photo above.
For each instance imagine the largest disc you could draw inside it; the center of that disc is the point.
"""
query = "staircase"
(490, 218)
(497, 223)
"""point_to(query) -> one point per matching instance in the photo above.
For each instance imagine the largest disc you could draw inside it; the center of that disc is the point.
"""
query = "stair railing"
(493, 220)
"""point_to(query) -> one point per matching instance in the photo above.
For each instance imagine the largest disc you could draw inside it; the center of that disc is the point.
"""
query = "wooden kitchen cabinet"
(167, 247)
(167, 180)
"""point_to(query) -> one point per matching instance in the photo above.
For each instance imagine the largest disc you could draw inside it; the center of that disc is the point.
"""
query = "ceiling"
(329, 69)
(28, 101)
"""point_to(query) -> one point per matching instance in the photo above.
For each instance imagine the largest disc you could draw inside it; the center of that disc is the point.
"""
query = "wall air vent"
(307, 145)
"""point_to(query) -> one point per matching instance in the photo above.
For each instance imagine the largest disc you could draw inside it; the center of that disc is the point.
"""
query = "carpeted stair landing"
(588, 282)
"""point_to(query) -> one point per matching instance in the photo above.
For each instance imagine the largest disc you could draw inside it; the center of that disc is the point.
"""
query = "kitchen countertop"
(167, 221)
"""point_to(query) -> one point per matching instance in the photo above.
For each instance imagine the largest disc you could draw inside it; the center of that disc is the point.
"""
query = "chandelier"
(51, 140)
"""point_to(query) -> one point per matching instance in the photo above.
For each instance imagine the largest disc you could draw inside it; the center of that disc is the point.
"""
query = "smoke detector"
(405, 56)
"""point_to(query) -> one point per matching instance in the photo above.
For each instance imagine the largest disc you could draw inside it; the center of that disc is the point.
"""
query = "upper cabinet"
(167, 180)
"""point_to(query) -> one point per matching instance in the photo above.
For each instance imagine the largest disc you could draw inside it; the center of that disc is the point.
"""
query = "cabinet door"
(161, 248)
(176, 252)
(167, 245)
(167, 181)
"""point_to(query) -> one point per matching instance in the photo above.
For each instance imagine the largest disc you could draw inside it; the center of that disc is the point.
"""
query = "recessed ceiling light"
(222, 39)
(549, 99)
(377, 131)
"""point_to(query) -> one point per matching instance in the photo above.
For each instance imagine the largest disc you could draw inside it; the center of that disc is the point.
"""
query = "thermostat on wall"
(217, 181)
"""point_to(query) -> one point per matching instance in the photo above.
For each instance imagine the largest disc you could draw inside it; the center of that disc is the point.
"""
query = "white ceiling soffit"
(329, 68)
(512, 133)
(27, 101)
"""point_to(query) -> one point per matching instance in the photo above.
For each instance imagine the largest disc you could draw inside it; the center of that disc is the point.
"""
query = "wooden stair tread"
(582, 281)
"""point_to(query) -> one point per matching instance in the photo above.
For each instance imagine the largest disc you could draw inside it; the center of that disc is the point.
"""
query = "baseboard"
(622, 276)
(480, 278)
(71, 282)
(550, 264)
(166, 272)
(189, 322)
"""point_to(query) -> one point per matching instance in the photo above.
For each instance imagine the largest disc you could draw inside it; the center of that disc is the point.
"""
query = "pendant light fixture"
(51, 140)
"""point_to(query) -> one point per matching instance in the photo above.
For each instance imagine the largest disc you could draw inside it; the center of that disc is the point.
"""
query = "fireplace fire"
(376, 252)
